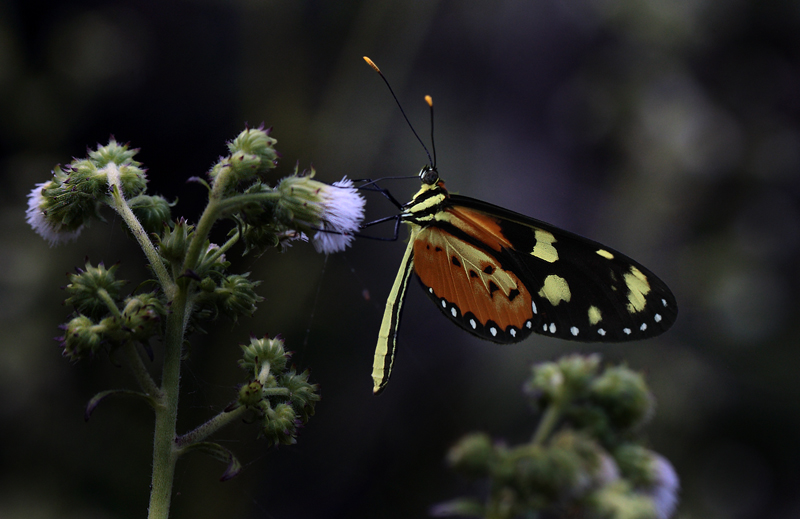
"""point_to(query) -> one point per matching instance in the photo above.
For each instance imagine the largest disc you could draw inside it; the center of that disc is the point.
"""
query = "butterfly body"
(501, 276)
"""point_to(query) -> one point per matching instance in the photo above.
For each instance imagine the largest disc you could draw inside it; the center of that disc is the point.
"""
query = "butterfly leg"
(372, 185)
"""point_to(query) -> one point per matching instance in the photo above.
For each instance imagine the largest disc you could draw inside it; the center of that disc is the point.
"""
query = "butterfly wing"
(501, 275)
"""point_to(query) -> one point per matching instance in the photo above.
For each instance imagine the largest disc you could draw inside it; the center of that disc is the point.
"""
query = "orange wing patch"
(471, 287)
(479, 225)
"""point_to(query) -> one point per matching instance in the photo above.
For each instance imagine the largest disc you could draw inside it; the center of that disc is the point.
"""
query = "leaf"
(96, 399)
(220, 453)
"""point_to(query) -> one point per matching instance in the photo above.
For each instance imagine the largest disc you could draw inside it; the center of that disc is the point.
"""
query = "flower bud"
(81, 338)
(302, 394)
(250, 394)
(473, 455)
(252, 154)
(85, 286)
(174, 242)
(153, 212)
(263, 352)
(624, 396)
(142, 315)
(620, 502)
(546, 383)
(236, 295)
(280, 424)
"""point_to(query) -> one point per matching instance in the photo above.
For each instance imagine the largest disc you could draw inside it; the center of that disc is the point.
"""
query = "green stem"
(146, 382)
(236, 202)
(224, 247)
(210, 427)
(123, 209)
(102, 293)
(548, 422)
(165, 453)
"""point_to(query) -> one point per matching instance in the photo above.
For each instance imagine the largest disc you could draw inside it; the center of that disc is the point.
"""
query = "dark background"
(667, 130)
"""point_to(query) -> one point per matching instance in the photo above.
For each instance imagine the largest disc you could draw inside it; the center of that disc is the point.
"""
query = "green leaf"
(96, 399)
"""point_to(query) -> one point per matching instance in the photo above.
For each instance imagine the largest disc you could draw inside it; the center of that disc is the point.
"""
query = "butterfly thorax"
(428, 201)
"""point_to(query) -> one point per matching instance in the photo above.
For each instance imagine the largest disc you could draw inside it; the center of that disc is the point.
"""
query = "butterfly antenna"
(376, 69)
(429, 100)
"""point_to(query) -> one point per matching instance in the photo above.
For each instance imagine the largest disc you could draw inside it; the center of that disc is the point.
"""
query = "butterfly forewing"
(501, 275)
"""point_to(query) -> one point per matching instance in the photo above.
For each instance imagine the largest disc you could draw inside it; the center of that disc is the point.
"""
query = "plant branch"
(123, 209)
(208, 428)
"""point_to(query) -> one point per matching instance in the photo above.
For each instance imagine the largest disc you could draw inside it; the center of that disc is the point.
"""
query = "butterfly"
(501, 276)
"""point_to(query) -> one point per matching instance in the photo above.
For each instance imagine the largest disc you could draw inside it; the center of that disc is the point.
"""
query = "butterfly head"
(428, 175)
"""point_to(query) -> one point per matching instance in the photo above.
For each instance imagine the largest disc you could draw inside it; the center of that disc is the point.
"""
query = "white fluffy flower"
(37, 219)
(342, 212)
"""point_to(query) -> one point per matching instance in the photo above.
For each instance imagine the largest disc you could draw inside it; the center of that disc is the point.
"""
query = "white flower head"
(343, 211)
(36, 216)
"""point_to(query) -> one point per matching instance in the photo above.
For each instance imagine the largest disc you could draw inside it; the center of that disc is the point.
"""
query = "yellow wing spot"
(544, 249)
(604, 253)
(594, 315)
(638, 288)
(555, 290)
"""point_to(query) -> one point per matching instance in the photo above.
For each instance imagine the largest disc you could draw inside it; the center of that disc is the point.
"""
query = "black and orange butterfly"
(501, 276)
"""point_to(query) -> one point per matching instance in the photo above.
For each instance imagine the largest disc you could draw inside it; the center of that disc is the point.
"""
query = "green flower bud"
(624, 396)
(618, 501)
(81, 338)
(280, 424)
(236, 295)
(263, 355)
(252, 154)
(250, 395)
(210, 261)
(546, 383)
(302, 394)
(579, 371)
(473, 455)
(85, 286)
(174, 242)
(142, 316)
(153, 212)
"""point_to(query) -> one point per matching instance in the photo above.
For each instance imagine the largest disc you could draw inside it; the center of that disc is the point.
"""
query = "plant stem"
(210, 427)
(164, 450)
(124, 210)
(547, 423)
(146, 382)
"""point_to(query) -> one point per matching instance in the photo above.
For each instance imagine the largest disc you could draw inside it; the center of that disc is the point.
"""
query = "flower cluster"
(282, 399)
(59, 208)
(591, 462)
(102, 317)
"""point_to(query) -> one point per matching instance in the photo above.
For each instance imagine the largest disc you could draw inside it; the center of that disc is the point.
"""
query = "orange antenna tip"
(429, 100)
(372, 64)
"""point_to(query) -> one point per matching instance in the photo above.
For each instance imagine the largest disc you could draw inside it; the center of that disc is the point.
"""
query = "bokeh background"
(669, 130)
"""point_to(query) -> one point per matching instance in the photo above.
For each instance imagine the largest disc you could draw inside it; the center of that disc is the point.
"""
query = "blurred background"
(667, 130)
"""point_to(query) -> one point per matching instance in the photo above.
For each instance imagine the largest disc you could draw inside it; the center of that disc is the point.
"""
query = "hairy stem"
(165, 453)
(123, 209)
(139, 370)
(210, 427)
